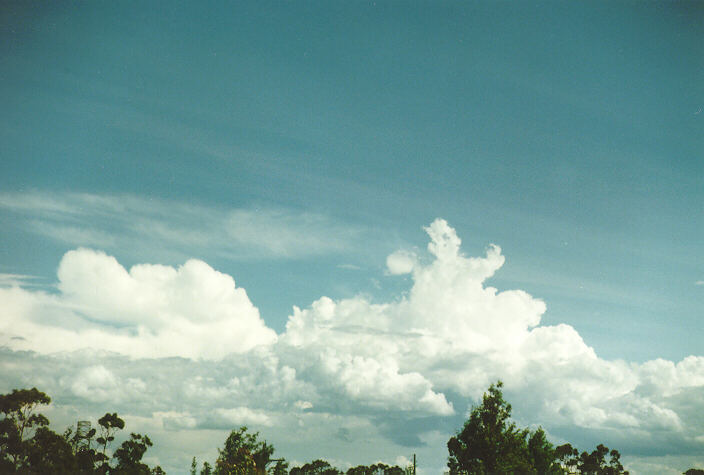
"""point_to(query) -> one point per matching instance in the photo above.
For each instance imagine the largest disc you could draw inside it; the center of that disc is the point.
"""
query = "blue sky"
(294, 146)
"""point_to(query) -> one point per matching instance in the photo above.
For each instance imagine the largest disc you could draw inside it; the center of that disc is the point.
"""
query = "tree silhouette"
(316, 467)
(19, 424)
(593, 463)
(489, 442)
(207, 469)
(27, 445)
(130, 454)
(48, 452)
(281, 468)
(243, 453)
(376, 469)
(109, 424)
(541, 453)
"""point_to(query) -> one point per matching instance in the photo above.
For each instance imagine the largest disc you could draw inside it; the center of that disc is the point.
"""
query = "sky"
(339, 222)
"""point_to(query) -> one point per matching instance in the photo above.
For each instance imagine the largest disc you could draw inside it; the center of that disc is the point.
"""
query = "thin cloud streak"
(18, 280)
(125, 222)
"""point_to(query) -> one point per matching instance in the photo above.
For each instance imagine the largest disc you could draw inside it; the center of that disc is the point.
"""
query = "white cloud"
(458, 335)
(402, 461)
(392, 375)
(95, 383)
(400, 262)
(17, 280)
(238, 416)
(303, 405)
(150, 310)
(174, 420)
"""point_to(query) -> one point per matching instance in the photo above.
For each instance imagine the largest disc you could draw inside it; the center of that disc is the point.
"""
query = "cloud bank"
(185, 350)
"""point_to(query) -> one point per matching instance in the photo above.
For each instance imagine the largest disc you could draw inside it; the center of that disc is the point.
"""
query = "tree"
(281, 468)
(488, 442)
(80, 442)
(694, 471)
(593, 463)
(243, 453)
(568, 457)
(542, 454)
(48, 452)
(129, 455)
(27, 445)
(18, 424)
(109, 425)
(316, 467)
(375, 469)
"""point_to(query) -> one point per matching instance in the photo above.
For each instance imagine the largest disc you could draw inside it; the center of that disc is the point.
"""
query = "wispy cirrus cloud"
(123, 222)
(17, 280)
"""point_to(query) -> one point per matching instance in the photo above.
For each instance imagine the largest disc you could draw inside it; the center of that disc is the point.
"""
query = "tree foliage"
(489, 443)
(19, 424)
(129, 455)
(109, 425)
(376, 469)
(243, 453)
(281, 468)
(593, 463)
(27, 445)
(316, 467)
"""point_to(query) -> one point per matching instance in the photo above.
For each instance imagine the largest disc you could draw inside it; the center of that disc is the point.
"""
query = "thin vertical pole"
(414, 464)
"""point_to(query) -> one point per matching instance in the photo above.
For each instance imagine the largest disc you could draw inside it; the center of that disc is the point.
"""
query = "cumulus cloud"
(400, 262)
(391, 374)
(237, 416)
(452, 334)
(95, 383)
(151, 310)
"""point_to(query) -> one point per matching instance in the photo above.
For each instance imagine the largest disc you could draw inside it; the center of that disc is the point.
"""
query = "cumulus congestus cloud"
(149, 311)
(188, 351)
